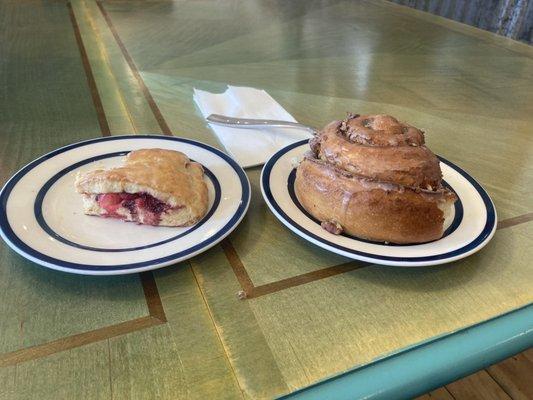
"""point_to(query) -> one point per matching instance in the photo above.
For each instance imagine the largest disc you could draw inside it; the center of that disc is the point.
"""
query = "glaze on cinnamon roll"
(371, 176)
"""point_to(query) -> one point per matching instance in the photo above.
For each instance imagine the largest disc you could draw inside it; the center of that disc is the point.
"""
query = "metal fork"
(256, 123)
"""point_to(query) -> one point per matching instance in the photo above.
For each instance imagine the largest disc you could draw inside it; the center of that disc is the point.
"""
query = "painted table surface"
(75, 71)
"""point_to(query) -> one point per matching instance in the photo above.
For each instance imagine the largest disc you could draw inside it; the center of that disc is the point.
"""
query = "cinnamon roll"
(372, 177)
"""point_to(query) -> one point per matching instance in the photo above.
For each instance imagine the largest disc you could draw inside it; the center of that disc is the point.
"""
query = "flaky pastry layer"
(167, 175)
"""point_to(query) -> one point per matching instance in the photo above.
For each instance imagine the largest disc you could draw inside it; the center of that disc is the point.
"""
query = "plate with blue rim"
(42, 219)
(471, 226)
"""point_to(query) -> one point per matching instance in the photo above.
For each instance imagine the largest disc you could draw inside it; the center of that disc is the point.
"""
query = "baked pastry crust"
(372, 177)
(166, 175)
(381, 148)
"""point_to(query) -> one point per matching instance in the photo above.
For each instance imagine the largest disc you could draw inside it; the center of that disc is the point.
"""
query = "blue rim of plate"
(485, 233)
(12, 239)
(38, 207)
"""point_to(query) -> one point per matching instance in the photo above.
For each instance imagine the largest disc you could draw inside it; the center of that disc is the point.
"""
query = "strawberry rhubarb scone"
(153, 187)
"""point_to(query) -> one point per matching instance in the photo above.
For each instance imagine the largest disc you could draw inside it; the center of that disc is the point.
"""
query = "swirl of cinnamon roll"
(371, 176)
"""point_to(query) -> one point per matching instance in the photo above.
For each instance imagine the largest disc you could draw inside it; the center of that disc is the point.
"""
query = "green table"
(74, 71)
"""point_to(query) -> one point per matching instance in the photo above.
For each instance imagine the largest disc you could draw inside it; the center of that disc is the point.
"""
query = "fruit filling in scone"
(138, 207)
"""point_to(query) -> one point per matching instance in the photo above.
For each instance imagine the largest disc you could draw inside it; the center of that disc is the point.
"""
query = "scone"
(372, 177)
(153, 187)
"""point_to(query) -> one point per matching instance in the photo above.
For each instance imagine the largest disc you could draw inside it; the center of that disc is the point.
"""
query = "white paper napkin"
(249, 147)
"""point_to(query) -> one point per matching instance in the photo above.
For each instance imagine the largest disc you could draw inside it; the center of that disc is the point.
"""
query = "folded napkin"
(249, 147)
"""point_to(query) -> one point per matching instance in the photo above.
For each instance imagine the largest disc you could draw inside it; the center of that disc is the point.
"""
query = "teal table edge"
(428, 365)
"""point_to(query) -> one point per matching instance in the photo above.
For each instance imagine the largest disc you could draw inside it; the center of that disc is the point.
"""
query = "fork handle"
(224, 120)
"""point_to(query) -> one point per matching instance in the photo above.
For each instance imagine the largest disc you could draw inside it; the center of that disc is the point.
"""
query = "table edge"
(428, 365)
(515, 45)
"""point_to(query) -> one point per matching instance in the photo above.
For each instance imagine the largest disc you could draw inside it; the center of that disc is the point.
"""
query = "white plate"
(472, 227)
(41, 215)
